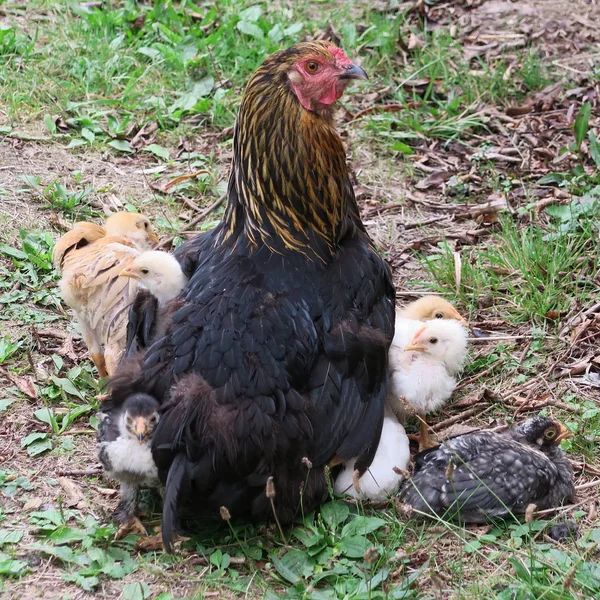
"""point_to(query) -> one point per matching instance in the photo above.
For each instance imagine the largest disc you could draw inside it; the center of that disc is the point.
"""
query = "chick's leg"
(112, 357)
(424, 438)
(125, 515)
(94, 346)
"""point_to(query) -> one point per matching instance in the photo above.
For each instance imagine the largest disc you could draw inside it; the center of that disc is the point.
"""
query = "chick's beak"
(353, 72)
(128, 273)
(140, 429)
(153, 237)
(415, 346)
(563, 434)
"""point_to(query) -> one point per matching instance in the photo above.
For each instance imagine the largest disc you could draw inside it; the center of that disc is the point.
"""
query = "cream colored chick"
(159, 273)
(428, 308)
(90, 259)
(423, 373)
(409, 318)
(382, 478)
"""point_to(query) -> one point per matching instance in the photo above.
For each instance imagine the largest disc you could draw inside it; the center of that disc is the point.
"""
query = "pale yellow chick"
(409, 321)
(90, 259)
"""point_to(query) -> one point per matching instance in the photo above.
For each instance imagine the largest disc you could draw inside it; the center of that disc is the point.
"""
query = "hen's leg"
(125, 515)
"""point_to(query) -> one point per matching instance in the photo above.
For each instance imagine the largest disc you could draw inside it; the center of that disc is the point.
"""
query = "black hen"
(277, 350)
(482, 475)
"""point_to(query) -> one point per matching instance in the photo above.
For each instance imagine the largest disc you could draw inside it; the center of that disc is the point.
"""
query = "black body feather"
(278, 350)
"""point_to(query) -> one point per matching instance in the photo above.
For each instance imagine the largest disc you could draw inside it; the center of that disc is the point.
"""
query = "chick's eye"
(550, 434)
(144, 271)
(439, 316)
(433, 340)
(312, 66)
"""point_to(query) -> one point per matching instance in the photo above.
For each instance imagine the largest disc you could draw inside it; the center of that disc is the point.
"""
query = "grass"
(108, 105)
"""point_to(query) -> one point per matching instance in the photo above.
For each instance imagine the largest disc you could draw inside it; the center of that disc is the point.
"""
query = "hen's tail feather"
(176, 480)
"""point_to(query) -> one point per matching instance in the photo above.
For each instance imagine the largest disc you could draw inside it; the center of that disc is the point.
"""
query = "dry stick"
(494, 338)
(195, 220)
(589, 484)
(463, 415)
(479, 375)
(80, 472)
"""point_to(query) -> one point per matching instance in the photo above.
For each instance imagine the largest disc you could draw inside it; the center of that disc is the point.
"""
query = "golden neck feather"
(289, 187)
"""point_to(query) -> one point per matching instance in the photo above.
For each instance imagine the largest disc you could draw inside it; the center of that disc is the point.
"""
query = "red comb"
(339, 55)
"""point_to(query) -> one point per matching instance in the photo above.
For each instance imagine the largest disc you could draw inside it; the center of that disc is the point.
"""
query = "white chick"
(423, 373)
(380, 480)
(158, 272)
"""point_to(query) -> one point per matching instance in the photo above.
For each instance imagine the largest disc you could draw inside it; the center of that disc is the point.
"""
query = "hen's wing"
(478, 476)
(271, 359)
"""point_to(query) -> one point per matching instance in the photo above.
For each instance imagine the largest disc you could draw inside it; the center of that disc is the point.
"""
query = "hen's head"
(319, 73)
(158, 272)
(444, 340)
(316, 72)
(428, 308)
(543, 432)
(134, 227)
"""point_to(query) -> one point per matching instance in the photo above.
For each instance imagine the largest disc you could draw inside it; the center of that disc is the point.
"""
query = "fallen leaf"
(74, 495)
(433, 180)
(24, 384)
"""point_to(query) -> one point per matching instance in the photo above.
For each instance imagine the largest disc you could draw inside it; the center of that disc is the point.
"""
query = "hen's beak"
(353, 72)
(128, 273)
(140, 429)
(564, 433)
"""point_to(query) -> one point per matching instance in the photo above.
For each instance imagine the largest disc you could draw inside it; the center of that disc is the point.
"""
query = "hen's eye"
(433, 340)
(550, 434)
(144, 271)
(312, 66)
(439, 316)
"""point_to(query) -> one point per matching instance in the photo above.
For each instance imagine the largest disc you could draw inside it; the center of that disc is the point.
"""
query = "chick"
(382, 478)
(482, 475)
(90, 259)
(428, 308)
(423, 373)
(124, 449)
(159, 273)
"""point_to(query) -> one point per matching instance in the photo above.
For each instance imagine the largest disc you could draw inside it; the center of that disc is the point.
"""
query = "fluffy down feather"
(380, 480)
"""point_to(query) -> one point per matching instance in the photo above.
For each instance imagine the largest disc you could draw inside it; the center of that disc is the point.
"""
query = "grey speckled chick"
(124, 449)
(482, 475)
